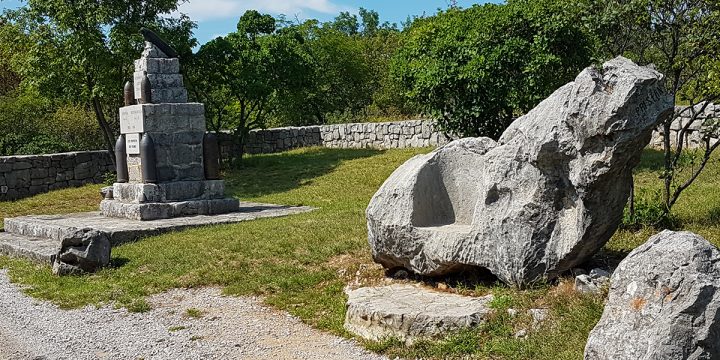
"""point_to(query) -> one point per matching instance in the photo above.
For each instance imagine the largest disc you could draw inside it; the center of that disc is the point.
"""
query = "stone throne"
(167, 165)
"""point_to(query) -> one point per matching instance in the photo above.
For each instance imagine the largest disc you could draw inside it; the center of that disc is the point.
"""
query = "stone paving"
(37, 237)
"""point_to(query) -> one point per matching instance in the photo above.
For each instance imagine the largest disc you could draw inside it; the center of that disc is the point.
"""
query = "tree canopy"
(476, 69)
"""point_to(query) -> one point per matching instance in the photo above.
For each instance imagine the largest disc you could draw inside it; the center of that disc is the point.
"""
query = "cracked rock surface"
(664, 303)
(409, 313)
(539, 201)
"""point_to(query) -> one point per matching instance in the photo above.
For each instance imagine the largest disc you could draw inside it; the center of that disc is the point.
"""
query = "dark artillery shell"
(211, 156)
(146, 94)
(121, 160)
(147, 159)
(129, 94)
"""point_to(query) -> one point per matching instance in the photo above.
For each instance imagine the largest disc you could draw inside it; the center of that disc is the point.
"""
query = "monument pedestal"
(166, 210)
(139, 201)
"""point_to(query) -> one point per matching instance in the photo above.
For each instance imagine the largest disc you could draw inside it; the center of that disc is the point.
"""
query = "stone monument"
(166, 163)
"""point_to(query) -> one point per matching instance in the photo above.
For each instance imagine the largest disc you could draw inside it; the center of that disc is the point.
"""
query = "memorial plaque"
(138, 77)
(131, 119)
(132, 144)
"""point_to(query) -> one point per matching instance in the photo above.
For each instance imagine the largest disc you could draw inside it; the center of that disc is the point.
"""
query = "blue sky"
(218, 17)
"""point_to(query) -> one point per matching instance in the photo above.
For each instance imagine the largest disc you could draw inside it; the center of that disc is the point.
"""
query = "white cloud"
(202, 10)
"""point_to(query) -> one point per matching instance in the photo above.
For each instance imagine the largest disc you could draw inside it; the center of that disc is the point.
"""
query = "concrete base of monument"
(39, 237)
(167, 192)
(166, 210)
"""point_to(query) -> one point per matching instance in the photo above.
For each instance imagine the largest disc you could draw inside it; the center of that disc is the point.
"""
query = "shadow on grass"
(467, 278)
(276, 173)
(652, 160)
(118, 262)
(606, 259)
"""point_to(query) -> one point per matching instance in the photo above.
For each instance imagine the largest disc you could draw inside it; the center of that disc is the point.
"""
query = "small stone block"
(173, 191)
(168, 95)
(164, 81)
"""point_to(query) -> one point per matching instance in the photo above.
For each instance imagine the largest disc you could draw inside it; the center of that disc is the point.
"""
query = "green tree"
(349, 71)
(240, 74)
(82, 51)
(681, 38)
(474, 70)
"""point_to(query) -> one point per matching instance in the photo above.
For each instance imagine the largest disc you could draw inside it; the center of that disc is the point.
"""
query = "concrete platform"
(38, 237)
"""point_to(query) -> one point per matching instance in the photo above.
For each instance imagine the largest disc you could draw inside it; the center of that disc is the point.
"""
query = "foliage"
(240, 73)
(81, 51)
(348, 76)
(647, 210)
(681, 38)
(36, 125)
(476, 69)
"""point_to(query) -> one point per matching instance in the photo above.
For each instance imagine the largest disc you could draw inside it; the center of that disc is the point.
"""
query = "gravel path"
(229, 328)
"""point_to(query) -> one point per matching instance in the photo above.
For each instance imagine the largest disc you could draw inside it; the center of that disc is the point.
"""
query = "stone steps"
(39, 250)
(38, 237)
(35, 227)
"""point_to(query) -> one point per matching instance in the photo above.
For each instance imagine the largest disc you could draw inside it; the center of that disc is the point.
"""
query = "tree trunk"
(632, 198)
(669, 171)
(105, 127)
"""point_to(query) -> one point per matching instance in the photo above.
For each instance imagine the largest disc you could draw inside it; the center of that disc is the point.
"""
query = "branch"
(708, 152)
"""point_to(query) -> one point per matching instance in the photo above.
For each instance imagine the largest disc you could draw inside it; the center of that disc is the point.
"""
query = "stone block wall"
(693, 137)
(25, 175)
(386, 135)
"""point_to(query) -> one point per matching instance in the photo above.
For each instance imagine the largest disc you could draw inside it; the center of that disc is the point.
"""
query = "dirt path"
(228, 328)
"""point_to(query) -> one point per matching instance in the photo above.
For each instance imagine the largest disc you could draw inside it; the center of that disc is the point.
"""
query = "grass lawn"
(302, 263)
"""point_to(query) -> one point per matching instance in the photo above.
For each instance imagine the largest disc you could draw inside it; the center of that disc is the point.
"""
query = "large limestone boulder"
(540, 201)
(663, 303)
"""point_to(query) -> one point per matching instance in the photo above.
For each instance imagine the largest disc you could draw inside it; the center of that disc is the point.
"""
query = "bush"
(474, 70)
(76, 127)
(33, 125)
(649, 211)
(20, 116)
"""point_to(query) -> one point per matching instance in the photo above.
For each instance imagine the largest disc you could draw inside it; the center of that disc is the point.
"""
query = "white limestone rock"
(540, 201)
(663, 303)
(410, 313)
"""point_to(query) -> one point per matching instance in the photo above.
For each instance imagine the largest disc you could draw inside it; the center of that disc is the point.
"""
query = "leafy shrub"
(476, 69)
(649, 211)
(75, 126)
(32, 124)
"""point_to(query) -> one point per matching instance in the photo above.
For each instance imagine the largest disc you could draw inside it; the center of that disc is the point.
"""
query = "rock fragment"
(664, 303)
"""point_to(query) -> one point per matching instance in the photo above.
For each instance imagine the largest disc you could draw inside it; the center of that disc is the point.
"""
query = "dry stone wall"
(693, 137)
(386, 135)
(25, 175)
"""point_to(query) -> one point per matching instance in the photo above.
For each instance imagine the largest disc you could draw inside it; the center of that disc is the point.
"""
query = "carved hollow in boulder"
(539, 201)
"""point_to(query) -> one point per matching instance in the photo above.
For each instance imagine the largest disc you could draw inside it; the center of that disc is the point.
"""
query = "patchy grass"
(302, 263)
(86, 198)
(284, 259)
(194, 313)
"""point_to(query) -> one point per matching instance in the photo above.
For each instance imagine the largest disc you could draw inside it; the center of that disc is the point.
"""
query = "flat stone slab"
(39, 250)
(122, 230)
(410, 312)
